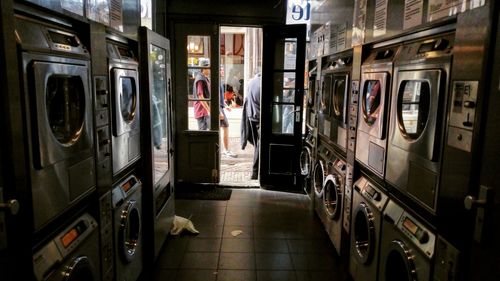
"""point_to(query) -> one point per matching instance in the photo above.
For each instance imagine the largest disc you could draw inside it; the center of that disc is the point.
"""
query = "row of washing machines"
(372, 153)
(82, 118)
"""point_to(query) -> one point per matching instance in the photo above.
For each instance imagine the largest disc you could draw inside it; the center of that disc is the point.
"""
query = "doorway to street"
(240, 59)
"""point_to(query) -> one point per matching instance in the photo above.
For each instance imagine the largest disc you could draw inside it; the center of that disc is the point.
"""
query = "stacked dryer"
(58, 106)
(376, 79)
(126, 195)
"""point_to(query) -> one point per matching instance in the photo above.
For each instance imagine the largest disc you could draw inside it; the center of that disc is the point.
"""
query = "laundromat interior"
(341, 140)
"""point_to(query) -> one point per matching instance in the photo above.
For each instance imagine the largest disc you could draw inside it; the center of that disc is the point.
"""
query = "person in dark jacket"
(250, 121)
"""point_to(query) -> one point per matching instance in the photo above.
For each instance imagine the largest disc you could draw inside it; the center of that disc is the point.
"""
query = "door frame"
(190, 144)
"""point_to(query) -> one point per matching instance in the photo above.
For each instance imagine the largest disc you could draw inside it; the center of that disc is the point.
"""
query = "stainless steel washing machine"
(333, 104)
(307, 160)
(406, 248)
(58, 106)
(72, 255)
(125, 109)
(418, 118)
(127, 230)
(333, 201)
(368, 203)
(319, 177)
(376, 79)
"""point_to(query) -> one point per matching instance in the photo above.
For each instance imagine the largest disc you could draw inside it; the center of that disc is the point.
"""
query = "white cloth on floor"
(180, 224)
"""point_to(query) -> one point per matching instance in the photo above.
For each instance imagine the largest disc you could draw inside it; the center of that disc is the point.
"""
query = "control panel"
(462, 114)
(424, 239)
(371, 193)
(346, 223)
(62, 245)
(447, 261)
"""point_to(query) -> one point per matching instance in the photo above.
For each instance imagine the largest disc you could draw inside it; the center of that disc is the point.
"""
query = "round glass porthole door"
(332, 197)
(372, 96)
(79, 270)
(413, 108)
(399, 264)
(305, 161)
(130, 230)
(364, 233)
(128, 98)
(319, 178)
(65, 107)
(339, 98)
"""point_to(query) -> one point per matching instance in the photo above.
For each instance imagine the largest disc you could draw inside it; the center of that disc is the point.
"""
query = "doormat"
(202, 192)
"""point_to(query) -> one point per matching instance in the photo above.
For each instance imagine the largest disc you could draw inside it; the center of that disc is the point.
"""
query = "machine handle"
(12, 206)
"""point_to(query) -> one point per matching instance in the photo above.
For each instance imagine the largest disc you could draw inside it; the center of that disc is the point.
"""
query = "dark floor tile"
(207, 219)
(165, 275)
(270, 246)
(246, 219)
(200, 261)
(236, 275)
(328, 276)
(270, 232)
(299, 245)
(170, 260)
(175, 244)
(303, 276)
(196, 275)
(237, 261)
(230, 245)
(273, 261)
(276, 276)
(247, 231)
(204, 245)
(318, 262)
(209, 231)
(239, 210)
(241, 202)
(300, 261)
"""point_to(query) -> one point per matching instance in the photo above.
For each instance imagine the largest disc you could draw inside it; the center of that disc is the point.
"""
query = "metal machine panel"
(58, 107)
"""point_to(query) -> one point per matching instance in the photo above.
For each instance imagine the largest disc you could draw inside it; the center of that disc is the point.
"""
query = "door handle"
(481, 204)
(12, 206)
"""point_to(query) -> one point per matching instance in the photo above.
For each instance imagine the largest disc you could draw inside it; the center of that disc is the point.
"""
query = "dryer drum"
(399, 264)
(332, 197)
(130, 229)
(364, 233)
(80, 270)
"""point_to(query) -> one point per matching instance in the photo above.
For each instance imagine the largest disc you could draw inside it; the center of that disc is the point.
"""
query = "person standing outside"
(250, 121)
(224, 124)
(201, 91)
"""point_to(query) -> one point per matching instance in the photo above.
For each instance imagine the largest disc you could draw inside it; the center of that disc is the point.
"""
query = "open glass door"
(196, 102)
(281, 106)
(159, 153)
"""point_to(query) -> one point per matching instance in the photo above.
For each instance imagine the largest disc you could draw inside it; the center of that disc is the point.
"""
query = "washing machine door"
(80, 269)
(364, 233)
(63, 113)
(416, 108)
(340, 89)
(332, 197)
(130, 230)
(126, 100)
(305, 161)
(399, 263)
(319, 178)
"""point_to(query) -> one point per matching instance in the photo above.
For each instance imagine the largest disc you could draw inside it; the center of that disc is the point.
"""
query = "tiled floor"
(281, 240)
